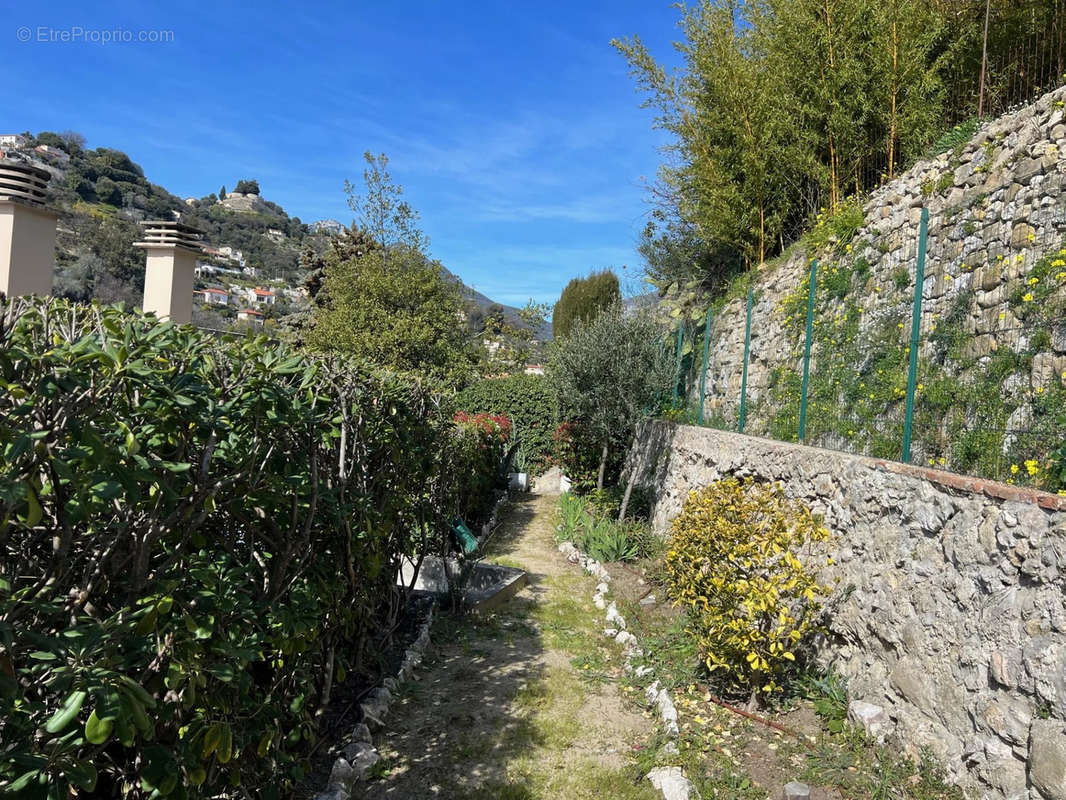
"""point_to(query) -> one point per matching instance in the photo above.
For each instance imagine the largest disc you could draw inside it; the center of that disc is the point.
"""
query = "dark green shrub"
(528, 401)
(578, 454)
(583, 299)
(198, 538)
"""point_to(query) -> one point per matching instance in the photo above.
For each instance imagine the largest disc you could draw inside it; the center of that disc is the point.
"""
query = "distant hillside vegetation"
(102, 194)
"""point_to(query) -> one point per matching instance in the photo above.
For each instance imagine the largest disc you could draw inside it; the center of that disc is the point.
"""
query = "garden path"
(521, 704)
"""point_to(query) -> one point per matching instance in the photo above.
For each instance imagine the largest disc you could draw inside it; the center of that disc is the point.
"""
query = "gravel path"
(520, 704)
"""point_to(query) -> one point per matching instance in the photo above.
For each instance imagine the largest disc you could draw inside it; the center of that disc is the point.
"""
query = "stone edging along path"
(360, 755)
(669, 781)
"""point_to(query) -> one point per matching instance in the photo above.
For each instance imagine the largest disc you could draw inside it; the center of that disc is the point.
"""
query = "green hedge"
(198, 537)
(528, 401)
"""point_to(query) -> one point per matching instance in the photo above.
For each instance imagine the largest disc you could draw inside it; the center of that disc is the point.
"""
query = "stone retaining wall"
(951, 613)
(996, 206)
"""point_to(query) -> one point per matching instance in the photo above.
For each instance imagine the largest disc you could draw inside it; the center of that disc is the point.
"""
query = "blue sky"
(513, 127)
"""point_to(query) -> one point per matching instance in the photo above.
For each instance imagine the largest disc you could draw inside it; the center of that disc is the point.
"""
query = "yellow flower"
(943, 461)
(1032, 467)
(921, 387)
(900, 326)
(1058, 262)
(1060, 276)
(1031, 237)
(1019, 259)
(1034, 281)
(1027, 297)
(1013, 469)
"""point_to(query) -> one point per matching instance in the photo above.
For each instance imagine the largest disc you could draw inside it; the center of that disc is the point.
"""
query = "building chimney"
(27, 230)
(172, 249)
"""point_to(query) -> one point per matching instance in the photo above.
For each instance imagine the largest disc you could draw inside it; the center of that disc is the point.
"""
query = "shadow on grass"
(498, 710)
(456, 727)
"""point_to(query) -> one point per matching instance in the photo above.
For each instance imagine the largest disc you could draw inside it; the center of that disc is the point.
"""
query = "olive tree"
(611, 372)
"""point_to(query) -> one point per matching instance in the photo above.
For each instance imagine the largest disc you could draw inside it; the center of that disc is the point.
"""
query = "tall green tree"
(381, 210)
(582, 299)
(906, 88)
(737, 152)
(608, 373)
(380, 296)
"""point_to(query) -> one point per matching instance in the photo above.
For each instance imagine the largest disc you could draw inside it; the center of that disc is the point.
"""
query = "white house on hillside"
(263, 297)
(214, 297)
(251, 315)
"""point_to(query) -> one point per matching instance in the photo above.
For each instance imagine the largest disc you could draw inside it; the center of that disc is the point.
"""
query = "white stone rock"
(361, 733)
(361, 756)
(872, 718)
(610, 633)
(602, 588)
(625, 638)
(341, 776)
(795, 790)
(599, 602)
(375, 706)
(668, 713)
(1047, 758)
(614, 618)
(671, 782)
(652, 693)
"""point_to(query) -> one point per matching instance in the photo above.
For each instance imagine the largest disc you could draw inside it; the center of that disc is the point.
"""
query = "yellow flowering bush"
(732, 564)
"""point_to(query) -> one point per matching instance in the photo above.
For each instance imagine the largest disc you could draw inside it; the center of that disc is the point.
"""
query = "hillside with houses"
(256, 257)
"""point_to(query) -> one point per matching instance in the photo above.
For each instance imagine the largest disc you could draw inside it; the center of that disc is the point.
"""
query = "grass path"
(521, 704)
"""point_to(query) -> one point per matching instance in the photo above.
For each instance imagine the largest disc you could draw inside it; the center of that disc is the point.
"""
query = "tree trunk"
(637, 468)
(603, 466)
(892, 111)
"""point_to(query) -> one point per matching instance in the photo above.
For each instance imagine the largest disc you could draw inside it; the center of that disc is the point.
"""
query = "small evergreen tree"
(583, 299)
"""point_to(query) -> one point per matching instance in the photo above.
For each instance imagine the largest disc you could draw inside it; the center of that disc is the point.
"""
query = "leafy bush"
(955, 138)
(731, 562)
(198, 538)
(605, 503)
(833, 231)
(528, 401)
(601, 537)
(476, 445)
(578, 454)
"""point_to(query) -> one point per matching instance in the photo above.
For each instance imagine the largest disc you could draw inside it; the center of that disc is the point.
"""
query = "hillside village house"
(214, 297)
(251, 315)
(213, 269)
(13, 141)
(263, 297)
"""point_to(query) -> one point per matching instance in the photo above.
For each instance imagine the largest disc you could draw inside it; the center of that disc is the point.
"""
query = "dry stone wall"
(995, 204)
(951, 614)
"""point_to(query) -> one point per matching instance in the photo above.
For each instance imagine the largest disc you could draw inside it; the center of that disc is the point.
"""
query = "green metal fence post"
(807, 351)
(744, 373)
(677, 369)
(916, 318)
(706, 355)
